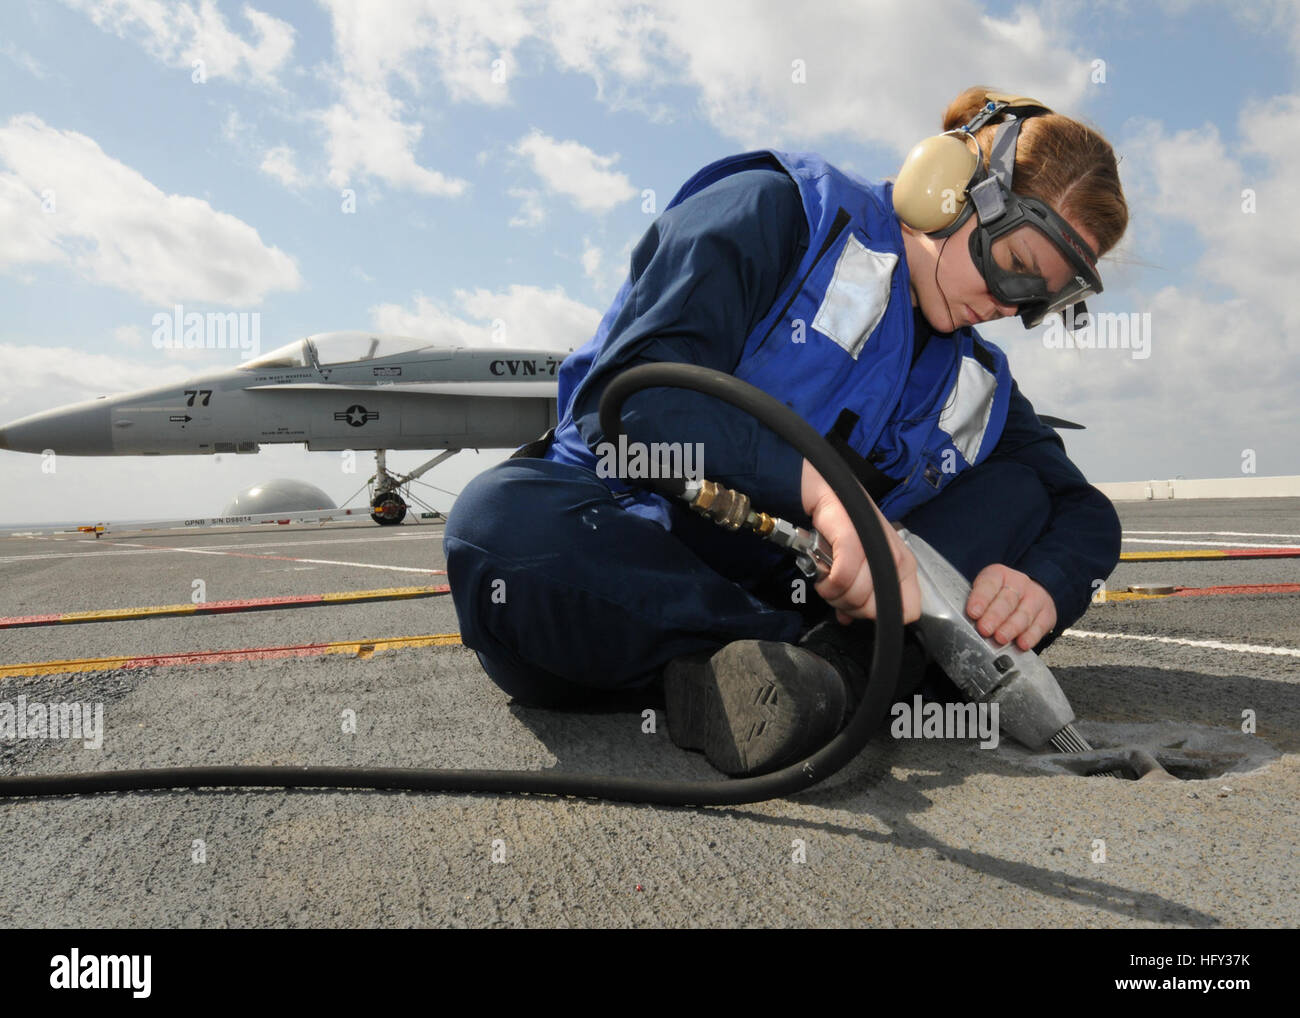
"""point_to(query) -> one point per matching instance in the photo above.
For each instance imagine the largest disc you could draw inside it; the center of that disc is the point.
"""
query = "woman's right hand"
(848, 588)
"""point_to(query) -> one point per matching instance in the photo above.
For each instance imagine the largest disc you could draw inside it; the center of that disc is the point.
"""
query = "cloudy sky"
(498, 154)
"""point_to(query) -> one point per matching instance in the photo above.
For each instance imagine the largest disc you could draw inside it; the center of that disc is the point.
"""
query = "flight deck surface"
(262, 669)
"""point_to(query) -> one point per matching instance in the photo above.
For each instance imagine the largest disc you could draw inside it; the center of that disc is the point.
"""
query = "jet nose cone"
(78, 430)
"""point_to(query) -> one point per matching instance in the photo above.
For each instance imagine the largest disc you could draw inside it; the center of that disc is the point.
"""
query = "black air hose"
(883, 673)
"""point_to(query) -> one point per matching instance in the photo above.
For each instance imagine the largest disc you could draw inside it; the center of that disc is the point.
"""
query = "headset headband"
(986, 196)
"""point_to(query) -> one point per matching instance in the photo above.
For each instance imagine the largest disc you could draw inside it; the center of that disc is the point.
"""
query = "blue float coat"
(705, 274)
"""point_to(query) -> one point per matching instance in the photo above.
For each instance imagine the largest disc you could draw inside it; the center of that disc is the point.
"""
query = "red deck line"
(1240, 588)
(245, 654)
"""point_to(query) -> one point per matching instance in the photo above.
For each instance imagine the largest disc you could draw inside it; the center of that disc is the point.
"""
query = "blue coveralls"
(569, 598)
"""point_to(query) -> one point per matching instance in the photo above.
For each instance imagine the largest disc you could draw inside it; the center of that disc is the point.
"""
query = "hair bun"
(962, 109)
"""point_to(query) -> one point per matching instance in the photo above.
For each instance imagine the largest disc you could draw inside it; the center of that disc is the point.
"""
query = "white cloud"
(456, 41)
(606, 40)
(469, 48)
(534, 317)
(39, 378)
(279, 163)
(116, 228)
(30, 234)
(520, 316)
(1193, 179)
(178, 34)
(235, 129)
(575, 171)
(366, 138)
(741, 57)
(429, 320)
(1219, 380)
(604, 268)
(591, 258)
(738, 56)
(619, 46)
(24, 60)
(531, 213)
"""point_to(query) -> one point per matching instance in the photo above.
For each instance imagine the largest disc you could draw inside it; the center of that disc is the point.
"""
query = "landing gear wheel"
(388, 509)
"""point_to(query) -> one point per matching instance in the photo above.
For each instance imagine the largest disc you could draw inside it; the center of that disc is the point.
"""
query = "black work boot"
(754, 706)
(849, 649)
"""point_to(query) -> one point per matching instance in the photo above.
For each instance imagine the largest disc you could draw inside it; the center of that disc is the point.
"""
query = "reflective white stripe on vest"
(857, 296)
(966, 416)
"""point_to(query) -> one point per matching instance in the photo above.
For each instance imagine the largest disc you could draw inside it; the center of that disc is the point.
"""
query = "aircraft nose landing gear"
(387, 506)
(388, 509)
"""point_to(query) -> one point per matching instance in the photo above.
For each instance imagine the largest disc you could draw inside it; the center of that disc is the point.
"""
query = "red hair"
(1060, 161)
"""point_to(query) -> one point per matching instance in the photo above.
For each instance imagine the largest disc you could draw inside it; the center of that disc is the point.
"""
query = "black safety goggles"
(1020, 270)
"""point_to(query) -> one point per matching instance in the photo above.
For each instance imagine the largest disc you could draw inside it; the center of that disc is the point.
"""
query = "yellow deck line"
(126, 613)
(1152, 556)
(386, 593)
(357, 648)
(153, 611)
(1127, 595)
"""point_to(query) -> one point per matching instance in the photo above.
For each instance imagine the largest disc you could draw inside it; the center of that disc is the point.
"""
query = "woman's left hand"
(1008, 605)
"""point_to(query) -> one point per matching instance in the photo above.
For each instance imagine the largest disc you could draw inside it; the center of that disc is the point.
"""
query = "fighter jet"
(332, 391)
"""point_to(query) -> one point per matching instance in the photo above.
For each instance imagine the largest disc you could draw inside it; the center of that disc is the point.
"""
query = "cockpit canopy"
(292, 355)
(328, 348)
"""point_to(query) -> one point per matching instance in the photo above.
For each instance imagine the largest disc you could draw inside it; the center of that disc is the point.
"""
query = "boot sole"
(754, 706)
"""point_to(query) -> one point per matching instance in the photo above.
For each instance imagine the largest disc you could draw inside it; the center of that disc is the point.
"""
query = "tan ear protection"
(933, 185)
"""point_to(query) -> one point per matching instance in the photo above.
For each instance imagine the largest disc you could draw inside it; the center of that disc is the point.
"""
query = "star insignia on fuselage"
(356, 415)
